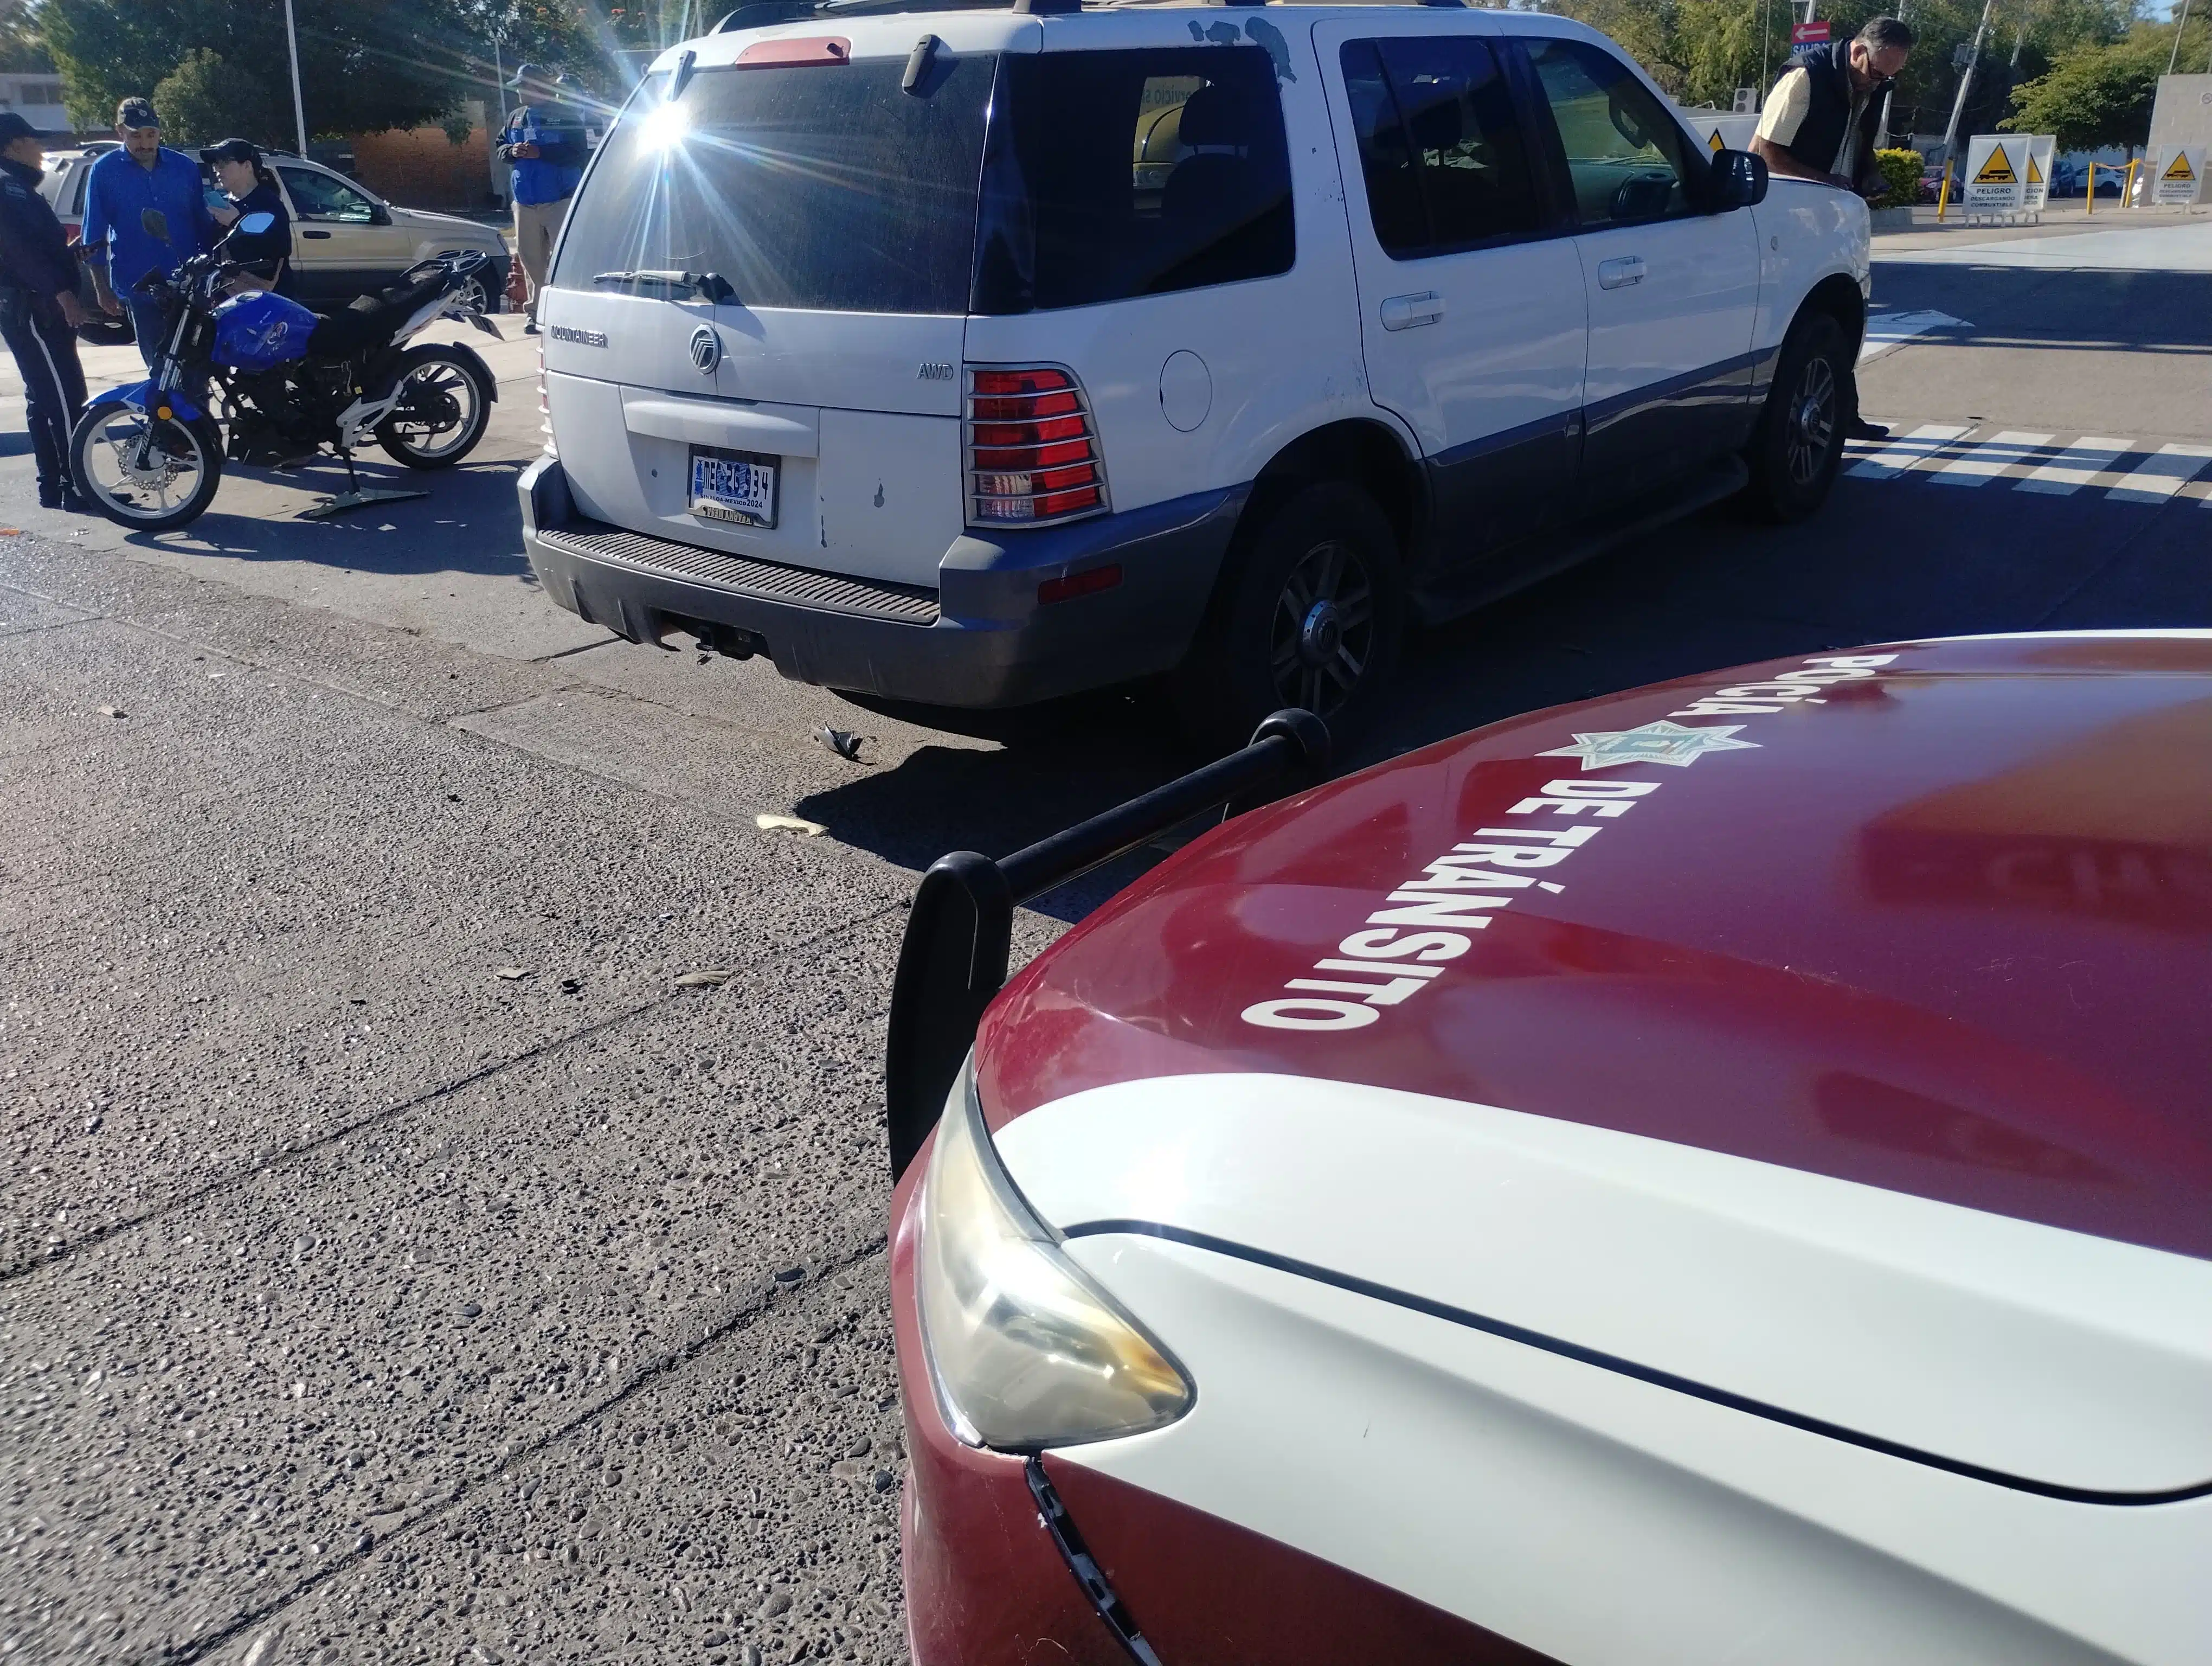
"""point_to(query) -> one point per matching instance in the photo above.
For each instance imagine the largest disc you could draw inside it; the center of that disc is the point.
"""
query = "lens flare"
(665, 127)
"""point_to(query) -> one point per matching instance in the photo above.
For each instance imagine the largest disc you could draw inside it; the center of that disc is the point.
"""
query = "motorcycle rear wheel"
(176, 484)
(437, 376)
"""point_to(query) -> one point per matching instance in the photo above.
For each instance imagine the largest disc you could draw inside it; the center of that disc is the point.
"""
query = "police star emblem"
(1653, 742)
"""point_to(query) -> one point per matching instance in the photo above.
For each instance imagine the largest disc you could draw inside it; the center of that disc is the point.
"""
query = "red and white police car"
(1722, 1172)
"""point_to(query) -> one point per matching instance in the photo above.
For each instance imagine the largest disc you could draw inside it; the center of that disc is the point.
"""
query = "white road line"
(1985, 459)
(2162, 476)
(2075, 466)
(1887, 331)
(1899, 453)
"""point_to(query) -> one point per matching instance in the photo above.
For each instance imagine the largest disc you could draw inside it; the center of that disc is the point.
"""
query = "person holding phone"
(544, 145)
(251, 186)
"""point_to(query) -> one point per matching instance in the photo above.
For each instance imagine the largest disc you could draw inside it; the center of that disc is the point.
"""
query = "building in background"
(36, 95)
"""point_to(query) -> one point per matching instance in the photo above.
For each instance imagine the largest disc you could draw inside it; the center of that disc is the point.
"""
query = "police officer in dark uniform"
(39, 310)
(251, 188)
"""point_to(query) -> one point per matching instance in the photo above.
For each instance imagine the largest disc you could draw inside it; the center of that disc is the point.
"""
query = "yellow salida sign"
(2179, 168)
(1997, 171)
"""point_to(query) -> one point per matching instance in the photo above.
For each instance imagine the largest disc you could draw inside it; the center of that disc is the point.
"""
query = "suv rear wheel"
(1799, 444)
(1313, 617)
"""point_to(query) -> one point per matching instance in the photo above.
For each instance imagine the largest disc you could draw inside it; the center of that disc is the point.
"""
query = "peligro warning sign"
(1995, 180)
(2042, 151)
(2177, 175)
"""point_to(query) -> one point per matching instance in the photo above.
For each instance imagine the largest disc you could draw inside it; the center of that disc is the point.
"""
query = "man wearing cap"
(143, 202)
(38, 310)
(544, 148)
(251, 188)
(1818, 124)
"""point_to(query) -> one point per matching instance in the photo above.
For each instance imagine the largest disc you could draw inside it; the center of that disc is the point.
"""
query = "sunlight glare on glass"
(666, 126)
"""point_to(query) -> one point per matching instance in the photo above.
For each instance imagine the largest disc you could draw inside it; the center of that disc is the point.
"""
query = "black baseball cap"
(137, 112)
(13, 127)
(232, 150)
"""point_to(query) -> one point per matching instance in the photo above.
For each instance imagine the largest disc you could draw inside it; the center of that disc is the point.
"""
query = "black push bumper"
(980, 638)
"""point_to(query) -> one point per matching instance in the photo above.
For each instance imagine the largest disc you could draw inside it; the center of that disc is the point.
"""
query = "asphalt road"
(398, 1262)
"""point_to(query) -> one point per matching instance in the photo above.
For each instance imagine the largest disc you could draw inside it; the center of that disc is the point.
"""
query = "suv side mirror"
(1739, 180)
(380, 215)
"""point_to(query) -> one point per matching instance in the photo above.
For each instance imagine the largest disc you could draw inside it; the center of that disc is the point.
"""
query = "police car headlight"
(1026, 1350)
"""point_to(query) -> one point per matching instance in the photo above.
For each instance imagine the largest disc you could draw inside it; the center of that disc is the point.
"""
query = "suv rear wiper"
(707, 285)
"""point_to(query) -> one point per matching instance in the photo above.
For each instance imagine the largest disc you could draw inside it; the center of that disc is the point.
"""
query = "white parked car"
(975, 357)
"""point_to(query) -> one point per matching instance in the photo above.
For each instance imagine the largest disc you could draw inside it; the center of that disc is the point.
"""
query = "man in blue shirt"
(545, 148)
(126, 184)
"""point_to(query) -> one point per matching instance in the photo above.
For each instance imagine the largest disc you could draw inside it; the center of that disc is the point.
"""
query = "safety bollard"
(1943, 195)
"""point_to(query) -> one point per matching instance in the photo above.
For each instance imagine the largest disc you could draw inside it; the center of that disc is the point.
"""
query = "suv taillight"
(1032, 448)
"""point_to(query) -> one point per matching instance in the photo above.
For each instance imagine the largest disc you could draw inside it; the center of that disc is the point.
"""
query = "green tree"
(204, 99)
(22, 49)
(2096, 95)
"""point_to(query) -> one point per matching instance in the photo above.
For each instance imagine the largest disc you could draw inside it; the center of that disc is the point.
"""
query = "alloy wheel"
(1322, 634)
(437, 411)
(1812, 424)
(142, 468)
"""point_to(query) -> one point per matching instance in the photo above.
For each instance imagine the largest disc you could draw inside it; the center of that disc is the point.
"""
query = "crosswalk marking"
(1903, 452)
(1985, 459)
(2075, 466)
(2163, 475)
(1958, 454)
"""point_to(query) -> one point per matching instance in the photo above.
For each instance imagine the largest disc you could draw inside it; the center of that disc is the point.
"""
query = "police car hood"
(1827, 1037)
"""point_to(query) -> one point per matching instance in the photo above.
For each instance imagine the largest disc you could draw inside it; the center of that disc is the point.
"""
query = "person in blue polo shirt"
(544, 145)
(145, 175)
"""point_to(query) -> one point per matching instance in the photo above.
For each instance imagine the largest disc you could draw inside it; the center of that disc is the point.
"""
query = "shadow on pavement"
(2073, 310)
(470, 522)
(1883, 561)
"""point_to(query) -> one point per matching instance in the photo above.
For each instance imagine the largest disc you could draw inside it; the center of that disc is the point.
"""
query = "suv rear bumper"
(982, 638)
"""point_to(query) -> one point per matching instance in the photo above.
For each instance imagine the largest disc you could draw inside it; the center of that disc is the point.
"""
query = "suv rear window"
(1120, 173)
(820, 187)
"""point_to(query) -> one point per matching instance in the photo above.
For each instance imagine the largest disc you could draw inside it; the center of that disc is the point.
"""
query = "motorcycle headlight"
(1026, 1350)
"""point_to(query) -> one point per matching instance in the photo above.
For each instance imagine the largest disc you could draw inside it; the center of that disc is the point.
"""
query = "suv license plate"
(733, 485)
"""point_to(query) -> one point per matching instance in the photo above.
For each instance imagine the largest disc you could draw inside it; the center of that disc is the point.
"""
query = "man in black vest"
(1818, 124)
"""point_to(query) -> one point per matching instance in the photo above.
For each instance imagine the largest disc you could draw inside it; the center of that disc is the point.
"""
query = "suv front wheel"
(1313, 617)
(1799, 443)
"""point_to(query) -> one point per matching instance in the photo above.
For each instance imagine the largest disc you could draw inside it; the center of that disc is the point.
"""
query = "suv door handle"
(304, 232)
(1404, 312)
(1619, 274)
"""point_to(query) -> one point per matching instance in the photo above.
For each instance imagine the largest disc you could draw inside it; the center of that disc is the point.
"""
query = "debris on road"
(706, 977)
(113, 711)
(511, 973)
(843, 742)
(789, 825)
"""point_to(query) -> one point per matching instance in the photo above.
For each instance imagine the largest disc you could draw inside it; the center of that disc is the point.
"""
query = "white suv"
(972, 357)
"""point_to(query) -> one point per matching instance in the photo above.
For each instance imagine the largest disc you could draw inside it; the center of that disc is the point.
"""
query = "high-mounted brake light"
(1033, 453)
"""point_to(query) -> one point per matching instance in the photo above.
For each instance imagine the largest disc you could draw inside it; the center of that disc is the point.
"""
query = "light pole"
(1965, 82)
(2179, 24)
(299, 104)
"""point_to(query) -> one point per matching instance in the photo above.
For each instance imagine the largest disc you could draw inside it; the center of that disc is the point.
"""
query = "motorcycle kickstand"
(355, 496)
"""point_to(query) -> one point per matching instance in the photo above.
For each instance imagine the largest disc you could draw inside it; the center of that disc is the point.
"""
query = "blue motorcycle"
(256, 378)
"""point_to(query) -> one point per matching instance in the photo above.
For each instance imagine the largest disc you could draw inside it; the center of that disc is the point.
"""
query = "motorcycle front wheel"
(168, 486)
(444, 406)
